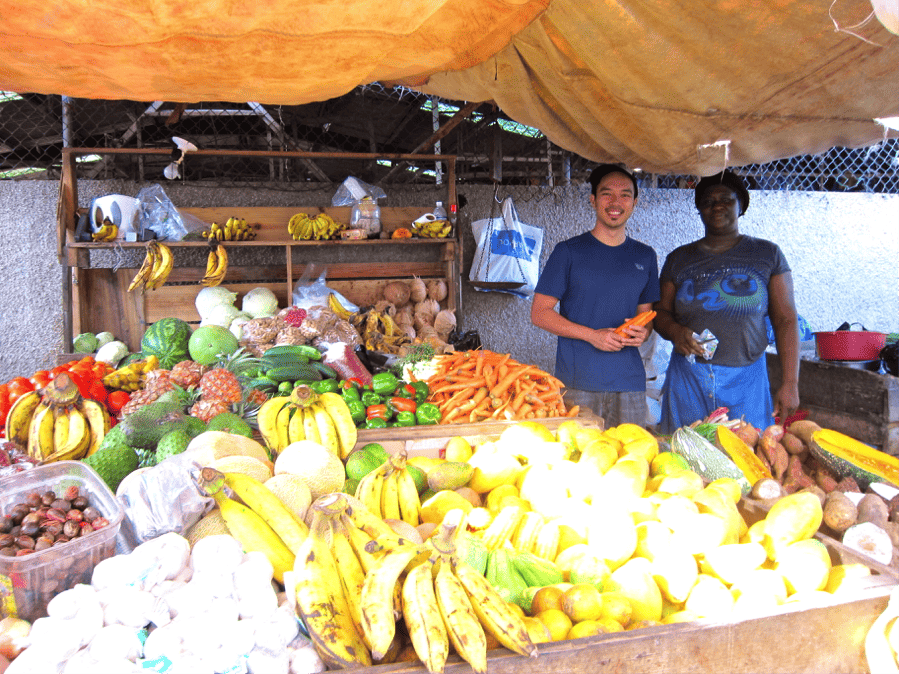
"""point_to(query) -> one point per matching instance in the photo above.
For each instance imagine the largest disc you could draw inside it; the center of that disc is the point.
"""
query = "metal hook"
(495, 192)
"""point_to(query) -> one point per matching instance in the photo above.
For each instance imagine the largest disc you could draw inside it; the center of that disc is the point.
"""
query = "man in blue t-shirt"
(599, 279)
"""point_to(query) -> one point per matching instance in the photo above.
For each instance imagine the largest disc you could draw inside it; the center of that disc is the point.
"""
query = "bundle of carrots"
(640, 319)
(472, 386)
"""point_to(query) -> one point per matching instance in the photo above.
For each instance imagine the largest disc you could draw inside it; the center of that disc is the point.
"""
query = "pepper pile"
(388, 402)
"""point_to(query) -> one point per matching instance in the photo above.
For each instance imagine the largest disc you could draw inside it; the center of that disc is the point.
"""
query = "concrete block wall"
(843, 248)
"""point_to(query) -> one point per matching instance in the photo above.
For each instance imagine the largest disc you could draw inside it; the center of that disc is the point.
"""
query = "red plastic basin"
(850, 345)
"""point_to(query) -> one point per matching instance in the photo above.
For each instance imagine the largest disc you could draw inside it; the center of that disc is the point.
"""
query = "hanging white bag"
(507, 258)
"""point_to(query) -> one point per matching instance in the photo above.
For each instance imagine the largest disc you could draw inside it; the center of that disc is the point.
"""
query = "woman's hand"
(786, 401)
(684, 342)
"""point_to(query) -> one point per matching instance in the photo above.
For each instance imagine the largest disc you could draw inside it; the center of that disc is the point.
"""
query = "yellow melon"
(211, 445)
(320, 469)
(246, 465)
(292, 491)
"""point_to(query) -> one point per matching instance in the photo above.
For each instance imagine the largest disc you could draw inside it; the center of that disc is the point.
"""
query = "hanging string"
(718, 143)
(851, 29)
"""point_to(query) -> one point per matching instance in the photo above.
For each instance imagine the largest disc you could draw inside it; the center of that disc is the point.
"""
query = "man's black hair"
(603, 170)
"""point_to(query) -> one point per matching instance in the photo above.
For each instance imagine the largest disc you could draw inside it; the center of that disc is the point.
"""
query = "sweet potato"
(796, 477)
(803, 430)
(840, 512)
(748, 434)
(781, 461)
(848, 484)
(825, 479)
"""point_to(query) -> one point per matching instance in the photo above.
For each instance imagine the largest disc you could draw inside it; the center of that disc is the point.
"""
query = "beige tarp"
(664, 85)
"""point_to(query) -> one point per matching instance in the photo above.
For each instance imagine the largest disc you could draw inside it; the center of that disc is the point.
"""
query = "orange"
(581, 602)
(556, 622)
(586, 628)
(548, 597)
(666, 463)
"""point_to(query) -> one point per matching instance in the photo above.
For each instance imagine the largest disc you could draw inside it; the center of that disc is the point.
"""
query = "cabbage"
(86, 342)
(112, 352)
(221, 314)
(104, 338)
(236, 326)
(260, 303)
(208, 298)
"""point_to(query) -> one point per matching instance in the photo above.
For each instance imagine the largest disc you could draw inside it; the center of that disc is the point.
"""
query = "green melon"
(208, 342)
(167, 339)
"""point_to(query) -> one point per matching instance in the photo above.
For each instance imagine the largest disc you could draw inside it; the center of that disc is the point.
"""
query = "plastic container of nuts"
(29, 580)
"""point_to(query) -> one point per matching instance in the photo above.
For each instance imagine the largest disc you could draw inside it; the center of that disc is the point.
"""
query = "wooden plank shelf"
(358, 269)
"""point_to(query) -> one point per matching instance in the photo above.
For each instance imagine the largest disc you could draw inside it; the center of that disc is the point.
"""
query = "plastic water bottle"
(440, 211)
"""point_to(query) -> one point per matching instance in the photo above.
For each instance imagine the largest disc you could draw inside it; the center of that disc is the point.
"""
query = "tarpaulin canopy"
(668, 86)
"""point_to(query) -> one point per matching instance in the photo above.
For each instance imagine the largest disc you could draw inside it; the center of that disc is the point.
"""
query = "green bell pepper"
(376, 422)
(285, 387)
(325, 386)
(384, 383)
(421, 391)
(428, 414)
(349, 394)
(357, 411)
(370, 398)
(404, 419)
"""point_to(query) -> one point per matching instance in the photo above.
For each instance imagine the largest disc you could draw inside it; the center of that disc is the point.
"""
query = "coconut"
(445, 323)
(417, 290)
(397, 292)
(436, 289)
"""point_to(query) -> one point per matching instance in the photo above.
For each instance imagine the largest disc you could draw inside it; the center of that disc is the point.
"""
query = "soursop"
(144, 428)
(113, 463)
(172, 443)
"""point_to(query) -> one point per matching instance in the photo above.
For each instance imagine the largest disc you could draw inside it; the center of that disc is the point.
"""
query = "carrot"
(573, 411)
(458, 386)
(640, 319)
(504, 383)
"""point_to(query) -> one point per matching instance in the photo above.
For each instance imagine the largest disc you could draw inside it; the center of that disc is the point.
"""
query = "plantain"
(162, 267)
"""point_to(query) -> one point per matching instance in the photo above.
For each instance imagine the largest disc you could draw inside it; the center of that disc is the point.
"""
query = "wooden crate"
(823, 638)
(429, 440)
(862, 404)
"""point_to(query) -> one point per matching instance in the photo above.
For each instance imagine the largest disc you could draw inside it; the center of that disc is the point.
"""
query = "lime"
(421, 480)
(359, 464)
(377, 450)
(349, 487)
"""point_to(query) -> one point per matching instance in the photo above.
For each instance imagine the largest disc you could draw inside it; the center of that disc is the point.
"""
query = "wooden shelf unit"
(97, 298)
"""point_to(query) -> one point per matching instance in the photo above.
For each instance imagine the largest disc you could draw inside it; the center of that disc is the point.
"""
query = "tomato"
(100, 369)
(83, 383)
(59, 369)
(18, 386)
(116, 400)
(41, 378)
(96, 391)
(4, 403)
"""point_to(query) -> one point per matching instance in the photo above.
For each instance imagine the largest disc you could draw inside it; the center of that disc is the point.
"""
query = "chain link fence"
(490, 148)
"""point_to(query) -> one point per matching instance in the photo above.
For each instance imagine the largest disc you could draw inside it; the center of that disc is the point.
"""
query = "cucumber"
(263, 383)
(309, 351)
(283, 360)
(288, 350)
(293, 373)
(326, 371)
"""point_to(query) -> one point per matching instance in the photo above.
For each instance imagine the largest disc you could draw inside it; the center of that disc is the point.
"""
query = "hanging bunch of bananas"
(131, 376)
(56, 423)
(389, 491)
(304, 227)
(235, 229)
(155, 269)
(216, 266)
(356, 578)
(433, 229)
(108, 232)
(306, 415)
(379, 331)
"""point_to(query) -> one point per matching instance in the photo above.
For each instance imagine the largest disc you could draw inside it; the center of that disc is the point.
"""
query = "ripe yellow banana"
(310, 426)
(343, 423)
(409, 501)
(60, 427)
(377, 592)
(369, 491)
(254, 534)
(322, 604)
(162, 268)
(494, 614)
(459, 618)
(18, 419)
(296, 430)
(98, 420)
(350, 570)
(146, 268)
(390, 497)
(371, 523)
(326, 431)
(423, 620)
(267, 419)
(77, 437)
(40, 432)
(216, 266)
(270, 508)
(282, 425)
(360, 542)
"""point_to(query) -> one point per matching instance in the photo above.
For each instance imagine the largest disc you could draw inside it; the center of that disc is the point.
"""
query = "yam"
(397, 292)
(840, 512)
(792, 443)
(872, 508)
(817, 491)
(803, 429)
(766, 489)
(894, 508)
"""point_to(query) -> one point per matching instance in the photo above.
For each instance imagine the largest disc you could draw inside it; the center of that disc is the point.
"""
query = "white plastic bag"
(507, 258)
(311, 290)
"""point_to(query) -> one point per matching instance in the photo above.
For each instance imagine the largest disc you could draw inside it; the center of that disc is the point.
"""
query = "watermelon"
(167, 339)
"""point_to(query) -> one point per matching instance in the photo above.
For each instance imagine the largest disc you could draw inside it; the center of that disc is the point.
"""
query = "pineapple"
(221, 388)
(222, 384)
(156, 383)
(187, 373)
(205, 409)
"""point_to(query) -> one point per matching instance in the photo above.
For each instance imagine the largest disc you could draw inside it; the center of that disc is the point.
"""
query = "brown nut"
(52, 527)
(31, 529)
(56, 515)
(34, 500)
(99, 523)
(5, 524)
(18, 512)
(8, 551)
(43, 543)
(60, 540)
(90, 514)
(81, 502)
(32, 518)
(75, 515)
(62, 504)
(24, 551)
(71, 529)
(48, 497)
(71, 493)
(25, 542)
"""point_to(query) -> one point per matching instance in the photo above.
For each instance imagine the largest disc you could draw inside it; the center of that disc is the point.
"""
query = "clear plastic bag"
(157, 213)
(353, 190)
(311, 290)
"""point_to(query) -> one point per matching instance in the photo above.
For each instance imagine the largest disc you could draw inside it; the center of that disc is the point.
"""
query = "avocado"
(144, 428)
